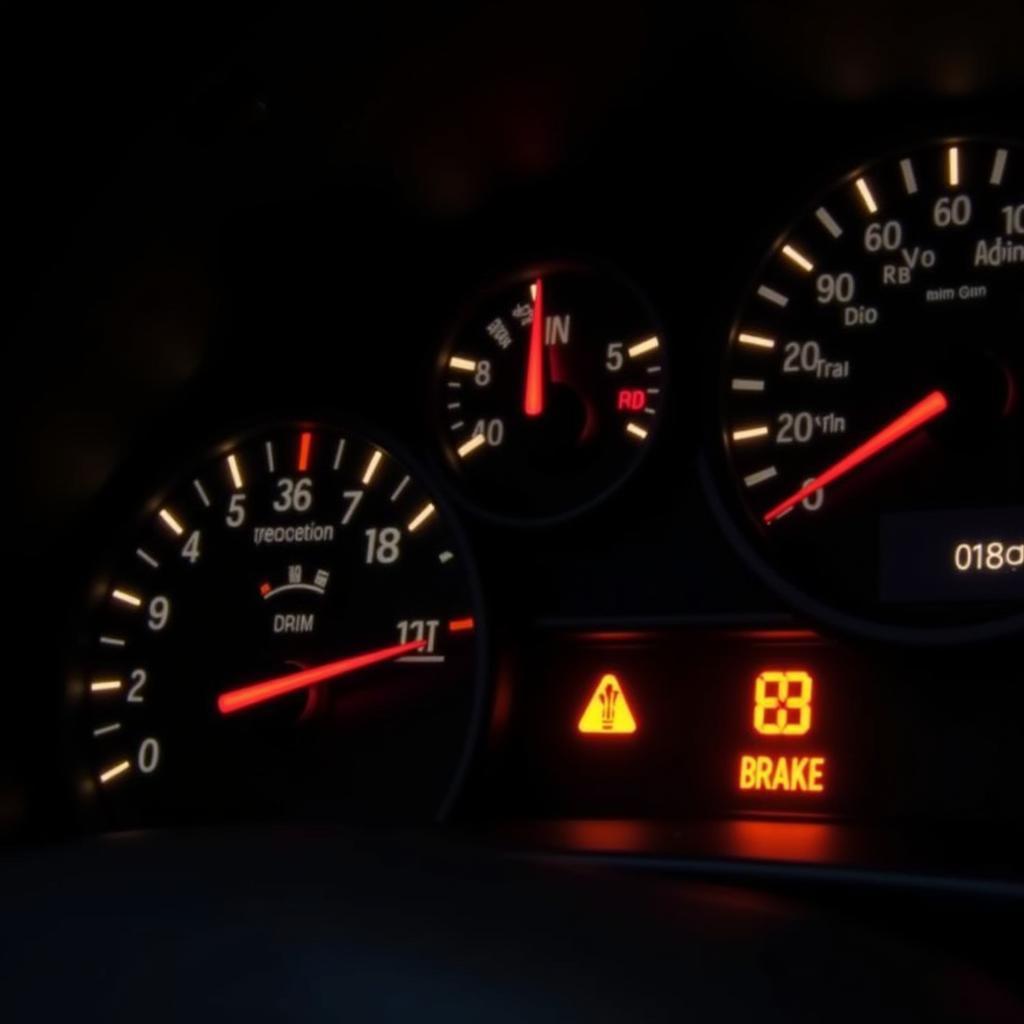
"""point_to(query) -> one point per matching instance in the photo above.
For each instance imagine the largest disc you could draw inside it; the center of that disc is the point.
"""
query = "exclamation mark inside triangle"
(608, 712)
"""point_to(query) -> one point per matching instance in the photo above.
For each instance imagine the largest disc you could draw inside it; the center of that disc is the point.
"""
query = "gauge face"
(872, 392)
(550, 391)
(293, 622)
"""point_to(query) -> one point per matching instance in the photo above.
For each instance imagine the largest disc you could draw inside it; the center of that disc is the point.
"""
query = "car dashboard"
(573, 440)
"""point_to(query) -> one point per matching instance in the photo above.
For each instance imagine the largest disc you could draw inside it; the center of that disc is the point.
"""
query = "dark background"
(181, 175)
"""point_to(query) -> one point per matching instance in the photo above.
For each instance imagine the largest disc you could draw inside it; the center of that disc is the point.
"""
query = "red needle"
(257, 693)
(533, 400)
(927, 409)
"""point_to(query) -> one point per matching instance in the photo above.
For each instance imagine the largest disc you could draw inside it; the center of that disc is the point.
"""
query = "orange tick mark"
(305, 441)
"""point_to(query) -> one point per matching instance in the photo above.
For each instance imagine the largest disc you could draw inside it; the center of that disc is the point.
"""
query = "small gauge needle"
(269, 689)
(913, 419)
(533, 399)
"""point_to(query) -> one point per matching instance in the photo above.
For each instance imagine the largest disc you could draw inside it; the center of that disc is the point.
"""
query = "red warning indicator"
(608, 711)
(633, 399)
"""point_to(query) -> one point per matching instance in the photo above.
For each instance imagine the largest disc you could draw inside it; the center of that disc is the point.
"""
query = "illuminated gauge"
(871, 407)
(294, 624)
(550, 391)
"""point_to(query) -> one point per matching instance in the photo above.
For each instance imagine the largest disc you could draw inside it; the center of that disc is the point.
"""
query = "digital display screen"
(669, 724)
(975, 555)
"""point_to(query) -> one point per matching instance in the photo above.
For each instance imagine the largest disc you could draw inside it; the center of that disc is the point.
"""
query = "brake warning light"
(608, 711)
(783, 712)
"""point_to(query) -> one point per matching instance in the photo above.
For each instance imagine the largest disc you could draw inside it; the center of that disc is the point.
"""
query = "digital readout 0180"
(953, 556)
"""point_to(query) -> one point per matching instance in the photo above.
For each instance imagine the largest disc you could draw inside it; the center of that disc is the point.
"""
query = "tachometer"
(294, 623)
(871, 397)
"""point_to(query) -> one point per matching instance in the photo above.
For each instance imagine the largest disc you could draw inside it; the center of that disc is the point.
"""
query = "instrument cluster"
(534, 540)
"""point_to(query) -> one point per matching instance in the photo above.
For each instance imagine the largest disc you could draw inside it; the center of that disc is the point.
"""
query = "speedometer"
(871, 412)
(291, 624)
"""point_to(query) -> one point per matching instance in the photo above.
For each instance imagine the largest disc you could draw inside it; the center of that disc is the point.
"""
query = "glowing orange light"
(608, 711)
(782, 774)
(781, 840)
(265, 589)
(305, 440)
(782, 702)
(460, 625)
(779, 634)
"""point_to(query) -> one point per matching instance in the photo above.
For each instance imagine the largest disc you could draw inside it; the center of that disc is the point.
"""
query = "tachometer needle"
(913, 419)
(269, 689)
(533, 399)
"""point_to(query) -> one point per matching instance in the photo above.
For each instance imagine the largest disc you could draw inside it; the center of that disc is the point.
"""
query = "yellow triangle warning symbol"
(608, 710)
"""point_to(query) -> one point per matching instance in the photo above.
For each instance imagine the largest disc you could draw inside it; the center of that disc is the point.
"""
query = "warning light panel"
(686, 724)
(608, 712)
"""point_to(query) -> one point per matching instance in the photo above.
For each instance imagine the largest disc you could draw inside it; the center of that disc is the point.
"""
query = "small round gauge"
(550, 391)
(871, 395)
(294, 624)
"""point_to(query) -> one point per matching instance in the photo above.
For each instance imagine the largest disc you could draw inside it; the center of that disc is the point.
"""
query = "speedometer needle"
(269, 689)
(913, 419)
(533, 399)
